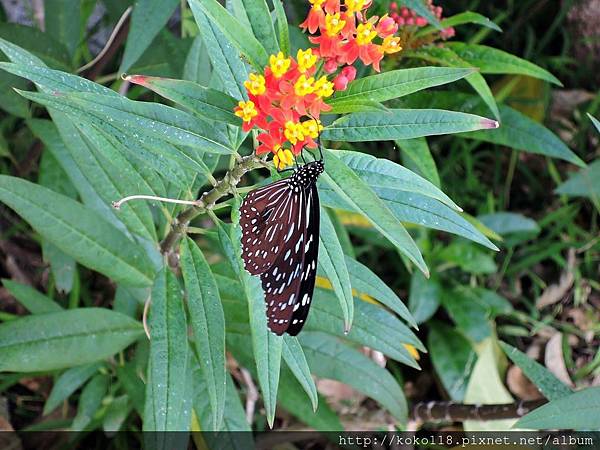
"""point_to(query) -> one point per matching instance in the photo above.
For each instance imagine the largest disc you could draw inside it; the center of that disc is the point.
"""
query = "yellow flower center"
(391, 45)
(333, 24)
(256, 84)
(246, 110)
(304, 86)
(306, 60)
(317, 4)
(323, 88)
(279, 64)
(365, 33)
(294, 132)
(354, 6)
(282, 158)
(312, 128)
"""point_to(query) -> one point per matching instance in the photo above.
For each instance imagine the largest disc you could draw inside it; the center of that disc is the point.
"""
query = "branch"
(456, 412)
(208, 200)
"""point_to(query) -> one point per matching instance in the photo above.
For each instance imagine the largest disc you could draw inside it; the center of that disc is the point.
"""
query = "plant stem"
(456, 412)
(208, 199)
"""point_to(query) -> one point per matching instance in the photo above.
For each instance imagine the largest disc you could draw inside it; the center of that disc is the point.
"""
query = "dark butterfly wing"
(264, 215)
(309, 264)
(281, 283)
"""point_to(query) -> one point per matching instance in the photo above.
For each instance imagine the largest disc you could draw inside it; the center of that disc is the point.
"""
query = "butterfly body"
(280, 243)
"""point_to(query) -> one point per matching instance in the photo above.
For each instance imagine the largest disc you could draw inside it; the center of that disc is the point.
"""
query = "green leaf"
(516, 130)
(579, 411)
(505, 223)
(234, 419)
(461, 19)
(137, 118)
(452, 357)
(403, 124)
(266, 345)
(34, 301)
(417, 157)
(116, 413)
(196, 63)
(333, 359)
(166, 393)
(78, 231)
(238, 35)
(550, 386)
(446, 57)
(472, 318)
(424, 297)
(494, 61)
(133, 385)
(33, 45)
(397, 83)
(331, 260)
(208, 324)
(366, 282)
(208, 103)
(226, 62)
(585, 183)
(346, 183)
(63, 22)
(68, 382)
(64, 339)
(296, 361)
(261, 23)
(594, 121)
(90, 401)
(147, 19)
(373, 327)
(283, 32)
(468, 257)
(417, 209)
(381, 173)
(353, 106)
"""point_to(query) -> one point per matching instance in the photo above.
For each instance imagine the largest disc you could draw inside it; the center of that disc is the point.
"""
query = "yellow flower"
(312, 128)
(391, 45)
(246, 110)
(323, 88)
(294, 132)
(354, 6)
(317, 4)
(256, 84)
(283, 158)
(365, 33)
(304, 86)
(279, 64)
(333, 24)
(305, 59)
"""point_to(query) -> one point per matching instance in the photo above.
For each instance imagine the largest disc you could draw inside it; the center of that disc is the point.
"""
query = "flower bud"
(330, 66)
(340, 82)
(349, 72)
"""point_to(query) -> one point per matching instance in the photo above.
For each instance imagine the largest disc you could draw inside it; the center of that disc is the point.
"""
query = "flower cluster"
(345, 33)
(280, 98)
(406, 17)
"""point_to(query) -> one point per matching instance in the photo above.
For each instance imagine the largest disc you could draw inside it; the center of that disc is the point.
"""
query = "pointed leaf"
(283, 32)
(147, 19)
(403, 124)
(90, 401)
(206, 102)
(550, 386)
(461, 19)
(64, 339)
(345, 182)
(78, 231)
(67, 383)
(208, 324)
(296, 361)
(261, 23)
(238, 35)
(34, 301)
(366, 282)
(333, 359)
(331, 260)
(417, 157)
(397, 83)
(168, 363)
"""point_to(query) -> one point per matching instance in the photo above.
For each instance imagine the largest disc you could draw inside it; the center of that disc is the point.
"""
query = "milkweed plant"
(362, 83)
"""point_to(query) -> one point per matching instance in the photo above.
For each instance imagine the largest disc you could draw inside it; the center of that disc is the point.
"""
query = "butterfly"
(280, 243)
